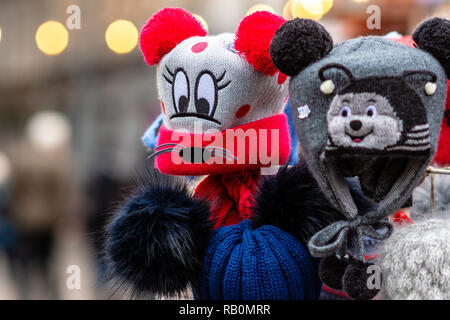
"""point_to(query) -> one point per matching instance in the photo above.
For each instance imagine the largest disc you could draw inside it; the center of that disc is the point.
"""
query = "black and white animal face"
(376, 115)
(363, 120)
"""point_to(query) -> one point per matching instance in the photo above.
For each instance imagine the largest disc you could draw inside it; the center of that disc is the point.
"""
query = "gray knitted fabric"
(387, 175)
(415, 262)
(422, 202)
(242, 83)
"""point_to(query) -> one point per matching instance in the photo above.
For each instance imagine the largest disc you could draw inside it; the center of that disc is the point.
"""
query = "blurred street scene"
(75, 98)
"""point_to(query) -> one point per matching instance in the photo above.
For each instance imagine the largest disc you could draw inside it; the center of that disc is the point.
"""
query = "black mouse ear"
(433, 36)
(421, 79)
(328, 85)
(298, 43)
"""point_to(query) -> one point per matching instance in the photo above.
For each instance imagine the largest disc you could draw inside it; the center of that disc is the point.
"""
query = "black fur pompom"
(298, 43)
(156, 239)
(354, 281)
(292, 201)
(433, 36)
(331, 271)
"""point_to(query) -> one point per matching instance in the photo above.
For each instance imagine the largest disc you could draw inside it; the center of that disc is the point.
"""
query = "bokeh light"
(52, 37)
(260, 7)
(202, 21)
(310, 9)
(5, 169)
(122, 36)
(327, 5)
(287, 10)
(48, 130)
(314, 7)
(298, 9)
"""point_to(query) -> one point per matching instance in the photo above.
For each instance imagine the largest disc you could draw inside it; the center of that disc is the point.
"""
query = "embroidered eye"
(346, 112)
(371, 111)
(206, 94)
(180, 91)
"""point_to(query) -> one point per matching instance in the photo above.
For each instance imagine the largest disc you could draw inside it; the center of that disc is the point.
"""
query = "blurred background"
(75, 99)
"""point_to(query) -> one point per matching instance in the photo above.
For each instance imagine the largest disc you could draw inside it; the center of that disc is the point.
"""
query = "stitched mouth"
(358, 139)
(196, 155)
(197, 115)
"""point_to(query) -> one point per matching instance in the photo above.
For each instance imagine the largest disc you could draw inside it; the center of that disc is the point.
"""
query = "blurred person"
(104, 189)
(7, 232)
(43, 200)
(38, 195)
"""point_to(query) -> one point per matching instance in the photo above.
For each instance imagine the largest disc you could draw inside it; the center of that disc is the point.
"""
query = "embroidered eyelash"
(220, 79)
(169, 79)
(171, 75)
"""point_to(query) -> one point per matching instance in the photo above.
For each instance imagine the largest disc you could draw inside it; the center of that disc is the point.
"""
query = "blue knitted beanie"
(261, 264)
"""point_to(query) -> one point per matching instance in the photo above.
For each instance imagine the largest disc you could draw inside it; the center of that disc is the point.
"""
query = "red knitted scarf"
(271, 137)
(230, 195)
(230, 186)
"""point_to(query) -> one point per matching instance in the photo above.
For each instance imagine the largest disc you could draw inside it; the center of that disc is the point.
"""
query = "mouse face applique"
(362, 120)
(372, 115)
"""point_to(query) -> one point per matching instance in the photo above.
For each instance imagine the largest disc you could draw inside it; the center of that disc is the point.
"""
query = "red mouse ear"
(165, 30)
(253, 39)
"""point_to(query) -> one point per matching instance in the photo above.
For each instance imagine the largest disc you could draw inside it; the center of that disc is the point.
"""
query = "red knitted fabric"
(230, 195)
(276, 144)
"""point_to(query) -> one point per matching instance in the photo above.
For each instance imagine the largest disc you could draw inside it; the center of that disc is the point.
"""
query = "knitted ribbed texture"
(255, 264)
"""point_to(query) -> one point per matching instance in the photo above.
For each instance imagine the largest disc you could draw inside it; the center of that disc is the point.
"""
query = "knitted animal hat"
(211, 84)
(369, 108)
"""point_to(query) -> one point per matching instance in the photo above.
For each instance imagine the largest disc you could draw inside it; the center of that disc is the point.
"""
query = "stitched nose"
(356, 125)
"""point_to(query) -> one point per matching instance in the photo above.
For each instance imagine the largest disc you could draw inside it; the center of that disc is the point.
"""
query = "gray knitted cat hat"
(369, 108)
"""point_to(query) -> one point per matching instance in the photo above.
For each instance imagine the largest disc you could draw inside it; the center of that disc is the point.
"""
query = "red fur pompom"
(165, 30)
(442, 157)
(253, 39)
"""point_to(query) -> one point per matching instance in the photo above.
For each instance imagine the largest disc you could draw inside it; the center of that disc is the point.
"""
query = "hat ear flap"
(165, 30)
(433, 36)
(253, 39)
(298, 43)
